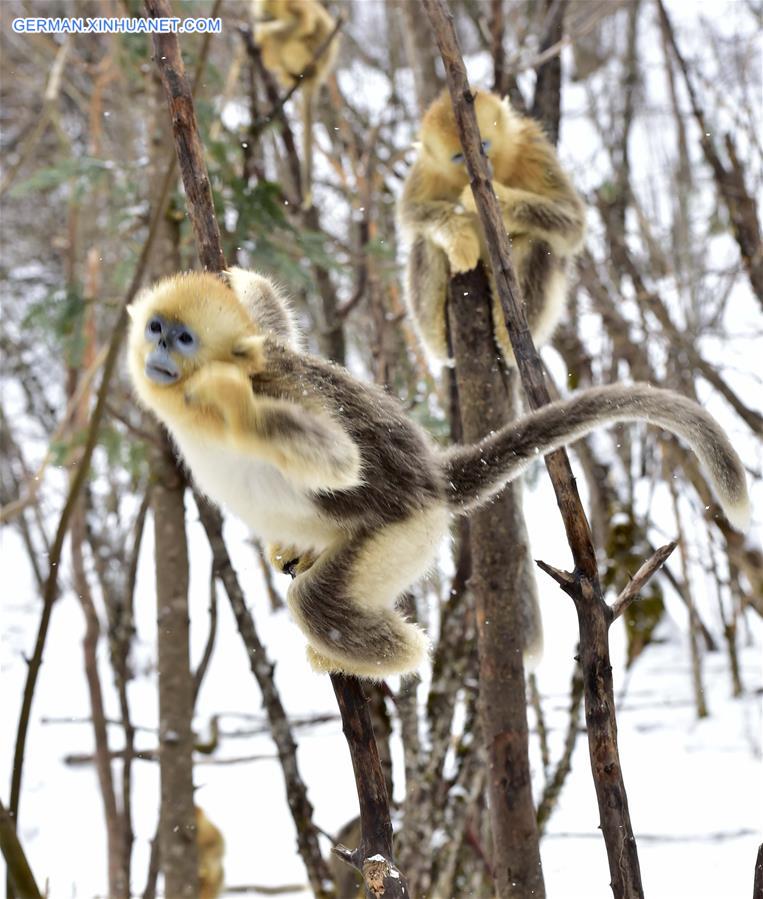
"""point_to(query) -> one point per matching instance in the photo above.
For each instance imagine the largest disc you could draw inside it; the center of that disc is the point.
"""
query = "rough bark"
(501, 580)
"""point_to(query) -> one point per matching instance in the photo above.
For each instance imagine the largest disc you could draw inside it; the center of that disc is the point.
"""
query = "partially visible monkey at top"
(543, 214)
(289, 34)
(353, 496)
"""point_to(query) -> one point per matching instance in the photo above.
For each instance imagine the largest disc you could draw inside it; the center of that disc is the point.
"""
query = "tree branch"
(640, 578)
(190, 154)
(19, 873)
(730, 183)
(373, 858)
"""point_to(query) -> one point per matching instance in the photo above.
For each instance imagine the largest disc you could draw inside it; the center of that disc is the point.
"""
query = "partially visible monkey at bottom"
(211, 849)
(542, 213)
(354, 495)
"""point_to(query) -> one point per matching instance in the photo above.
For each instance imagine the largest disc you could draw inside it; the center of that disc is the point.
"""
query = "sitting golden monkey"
(543, 214)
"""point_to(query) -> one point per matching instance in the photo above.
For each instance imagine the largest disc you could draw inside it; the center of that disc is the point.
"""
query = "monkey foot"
(289, 560)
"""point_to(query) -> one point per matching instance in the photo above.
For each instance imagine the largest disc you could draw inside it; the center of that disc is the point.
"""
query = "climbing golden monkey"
(354, 496)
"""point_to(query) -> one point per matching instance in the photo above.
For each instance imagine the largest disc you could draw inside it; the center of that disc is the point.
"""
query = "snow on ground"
(694, 787)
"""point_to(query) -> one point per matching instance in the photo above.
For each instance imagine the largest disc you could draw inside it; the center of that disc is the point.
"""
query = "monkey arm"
(560, 221)
(440, 221)
(310, 448)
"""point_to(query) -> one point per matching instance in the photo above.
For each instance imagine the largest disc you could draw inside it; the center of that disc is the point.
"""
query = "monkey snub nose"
(160, 368)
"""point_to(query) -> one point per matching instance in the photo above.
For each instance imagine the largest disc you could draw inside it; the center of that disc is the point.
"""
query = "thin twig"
(641, 577)
(201, 671)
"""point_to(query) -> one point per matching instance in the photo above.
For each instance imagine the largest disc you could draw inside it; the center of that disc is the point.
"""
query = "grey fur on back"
(400, 467)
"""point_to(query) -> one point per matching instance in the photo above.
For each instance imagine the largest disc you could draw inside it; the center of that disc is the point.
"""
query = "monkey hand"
(217, 389)
(507, 199)
(463, 247)
(466, 200)
(289, 559)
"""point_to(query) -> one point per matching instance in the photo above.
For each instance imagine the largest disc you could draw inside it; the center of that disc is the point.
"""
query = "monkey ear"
(251, 350)
(131, 311)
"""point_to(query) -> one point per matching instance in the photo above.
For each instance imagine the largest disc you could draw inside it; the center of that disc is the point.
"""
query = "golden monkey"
(543, 214)
(355, 495)
(211, 849)
(289, 34)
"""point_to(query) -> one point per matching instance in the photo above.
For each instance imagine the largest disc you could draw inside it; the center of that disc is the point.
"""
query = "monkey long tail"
(477, 472)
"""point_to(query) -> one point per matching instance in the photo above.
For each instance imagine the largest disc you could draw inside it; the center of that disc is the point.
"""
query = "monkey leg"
(426, 294)
(345, 603)
(542, 280)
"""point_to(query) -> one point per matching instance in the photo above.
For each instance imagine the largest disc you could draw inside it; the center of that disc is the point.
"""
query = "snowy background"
(694, 787)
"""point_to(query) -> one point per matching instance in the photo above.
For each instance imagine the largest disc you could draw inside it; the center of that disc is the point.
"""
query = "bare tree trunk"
(502, 581)
(177, 826)
(177, 821)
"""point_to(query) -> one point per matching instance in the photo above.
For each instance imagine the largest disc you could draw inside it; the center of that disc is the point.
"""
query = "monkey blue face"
(459, 157)
(167, 337)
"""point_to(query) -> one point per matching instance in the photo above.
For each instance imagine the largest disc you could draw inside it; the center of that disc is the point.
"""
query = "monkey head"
(186, 321)
(272, 10)
(439, 135)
